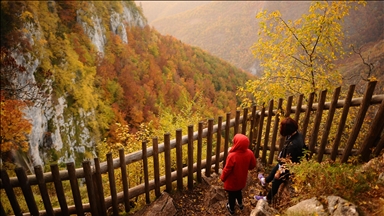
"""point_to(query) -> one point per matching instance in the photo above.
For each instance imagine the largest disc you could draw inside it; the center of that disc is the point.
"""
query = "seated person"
(292, 150)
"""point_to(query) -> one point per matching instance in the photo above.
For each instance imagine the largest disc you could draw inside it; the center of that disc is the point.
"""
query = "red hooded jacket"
(240, 159)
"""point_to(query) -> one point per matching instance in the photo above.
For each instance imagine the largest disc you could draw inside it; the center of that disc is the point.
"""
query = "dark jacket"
(293, 148)
(240, 159)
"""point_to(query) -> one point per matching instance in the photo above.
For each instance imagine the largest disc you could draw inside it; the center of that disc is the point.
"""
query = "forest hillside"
(97, 65)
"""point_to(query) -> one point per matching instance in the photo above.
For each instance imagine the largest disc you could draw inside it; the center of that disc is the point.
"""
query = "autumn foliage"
(14, 127)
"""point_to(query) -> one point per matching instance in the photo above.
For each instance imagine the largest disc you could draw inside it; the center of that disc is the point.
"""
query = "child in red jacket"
(240, 159)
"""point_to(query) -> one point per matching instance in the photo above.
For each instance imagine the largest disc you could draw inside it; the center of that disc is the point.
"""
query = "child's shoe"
(262, 179)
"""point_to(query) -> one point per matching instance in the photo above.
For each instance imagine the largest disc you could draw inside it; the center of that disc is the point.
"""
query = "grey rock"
(263, 209)
(340, 207)
(307, 207)
(163, 206)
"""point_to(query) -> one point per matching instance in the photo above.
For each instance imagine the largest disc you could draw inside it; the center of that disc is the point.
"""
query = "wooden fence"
(261, 126)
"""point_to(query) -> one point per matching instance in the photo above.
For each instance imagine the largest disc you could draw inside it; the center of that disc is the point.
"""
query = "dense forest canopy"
(104, 66)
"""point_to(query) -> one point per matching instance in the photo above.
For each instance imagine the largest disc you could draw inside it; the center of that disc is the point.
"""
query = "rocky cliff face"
(55, 128)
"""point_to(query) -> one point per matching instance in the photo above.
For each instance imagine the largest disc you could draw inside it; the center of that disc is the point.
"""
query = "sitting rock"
(215, 194)
(339, 207)
(336, 207)
(307, 207)
(161, 206)
(262, 209)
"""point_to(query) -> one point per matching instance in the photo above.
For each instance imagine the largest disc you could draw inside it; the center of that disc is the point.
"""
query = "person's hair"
(288, 126)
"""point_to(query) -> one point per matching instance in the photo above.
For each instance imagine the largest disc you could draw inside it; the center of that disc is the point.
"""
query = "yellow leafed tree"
(298, 56)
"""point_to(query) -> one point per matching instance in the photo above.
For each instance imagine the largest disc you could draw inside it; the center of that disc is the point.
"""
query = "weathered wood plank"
(308, 114)
(112, 184)
(27, 191)
(373, 134)
(209, 148)
(2, 211)
(244, 121)
(190, 157)
(156, 167)
(75, 189)
(43, 190)
(328, 124)
(252, 125)
(179, 160)
(124, 178)
(359, 120)
(146, 173)
(379, 147)
(286, 113)
(218, 142)
(199, 150)
(267, 130)
(316, 125)
(260, 132)
(226, 139)
(237, 122)
(59, 189)
(99, 188)
(275, 132)
(90, 189)
(298, 110)
(167, 161)
(342, 122)
(10, 193)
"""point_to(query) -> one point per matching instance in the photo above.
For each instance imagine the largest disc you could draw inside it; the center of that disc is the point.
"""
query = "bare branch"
(369, 65)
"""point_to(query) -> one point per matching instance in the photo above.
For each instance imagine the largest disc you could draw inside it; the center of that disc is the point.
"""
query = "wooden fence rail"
(261, 126)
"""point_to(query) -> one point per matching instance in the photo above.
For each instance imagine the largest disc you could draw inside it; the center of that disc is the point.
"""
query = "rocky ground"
(194, 202)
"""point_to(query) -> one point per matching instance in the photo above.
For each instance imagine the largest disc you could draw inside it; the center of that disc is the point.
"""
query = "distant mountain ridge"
(227, 29)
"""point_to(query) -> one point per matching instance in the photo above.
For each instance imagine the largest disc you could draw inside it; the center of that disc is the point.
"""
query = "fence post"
(237, 122)
(99, 188)
(308, 113)
(251, 130)
(359, 120)
(199, 150)
(190, 157)
(179, 160)
(226, 139)
(218, 144)
(298, 108)
(331, 113)
(373, 133)
(146, 175)
(124, 179)
(112, 184)
(379, 147)
(267, 130)
(27, 191)
(167, 160)
(343, 119)
(43, 190)
(10, 193)
(156, 165)
(316, 126)
(75, 189)
(59, 189)
(90, 189)
(2, 211)
(275, 130)
(260, 132)
(244, 123)
(209, 148)
(287, 113)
